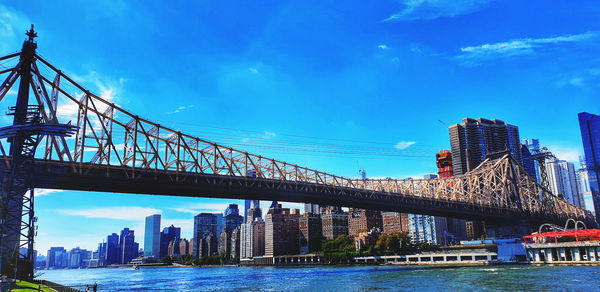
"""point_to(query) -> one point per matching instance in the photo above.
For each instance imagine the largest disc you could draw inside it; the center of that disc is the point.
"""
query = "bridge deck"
(91, 177)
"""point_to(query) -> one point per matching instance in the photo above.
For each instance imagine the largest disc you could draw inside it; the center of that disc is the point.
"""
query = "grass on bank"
(26, 286)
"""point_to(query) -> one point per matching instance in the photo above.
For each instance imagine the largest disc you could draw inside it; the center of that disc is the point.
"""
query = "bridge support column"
(507, 229)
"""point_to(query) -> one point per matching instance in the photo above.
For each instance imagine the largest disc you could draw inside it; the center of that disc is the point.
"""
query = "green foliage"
(26, 286)
(341, 244)
(205, 260)
(393, 243)
(168, 260)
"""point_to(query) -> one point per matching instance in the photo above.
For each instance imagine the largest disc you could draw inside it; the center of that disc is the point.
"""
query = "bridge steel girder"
(60, 175)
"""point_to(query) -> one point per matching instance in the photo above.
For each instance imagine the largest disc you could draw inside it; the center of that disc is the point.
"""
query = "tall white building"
(564, 181)
(425, 228)
(252, 239)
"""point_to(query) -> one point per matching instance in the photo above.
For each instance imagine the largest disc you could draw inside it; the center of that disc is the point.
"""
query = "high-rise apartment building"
(207, 245)
(281, 231)
(564, 181)
(184, 247)
(589, 124)
(310, 232)
(173, 248)
(235, 244)
(394, 222)
(363, 221)
(152, 236)
(335, 223)
(474, 140)
(427, 229)
(252, 239)
(444, 163)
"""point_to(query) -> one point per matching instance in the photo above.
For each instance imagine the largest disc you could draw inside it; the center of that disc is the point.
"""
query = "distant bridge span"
(65, 137)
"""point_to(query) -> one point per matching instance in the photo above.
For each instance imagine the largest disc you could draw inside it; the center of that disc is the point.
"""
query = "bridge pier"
(507, 229)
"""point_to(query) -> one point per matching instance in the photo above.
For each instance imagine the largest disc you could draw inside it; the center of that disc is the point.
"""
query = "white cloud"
(253, 70)
(13, 25)
(416, 50)
(432, 9)
(118, 213)
(565, 153)
(270, 134)
(383, 47)
(471, 55)
(404, 144)
(582, 78)
(45, 192)
(181, 108)
(195, 209)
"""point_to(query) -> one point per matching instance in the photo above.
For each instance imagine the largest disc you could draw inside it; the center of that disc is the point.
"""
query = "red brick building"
(363, 221)
(335, 223)
(311, 231)
(281, 231)
(394, 222)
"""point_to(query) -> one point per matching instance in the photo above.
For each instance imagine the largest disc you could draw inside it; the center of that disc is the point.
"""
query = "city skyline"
(256, 76)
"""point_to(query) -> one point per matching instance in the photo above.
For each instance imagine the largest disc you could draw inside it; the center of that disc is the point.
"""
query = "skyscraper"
(250, 204)
(474, 140)
(310, 232)
(564, 181)
(232, 209)
(427, 229)
(112, 250)
(205, 224)
(533, 145)
(232, 218)
(252, 238)
(152, 236)
(129, 248)
(311, 208)
(51, 256)
(281, 231)
(232, 221)
(168, 235)
(589, 124)
(584, 185)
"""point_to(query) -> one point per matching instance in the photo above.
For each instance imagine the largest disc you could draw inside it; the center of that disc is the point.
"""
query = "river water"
(336, 278)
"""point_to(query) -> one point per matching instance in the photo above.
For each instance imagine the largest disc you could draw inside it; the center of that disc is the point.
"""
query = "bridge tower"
(17, 220)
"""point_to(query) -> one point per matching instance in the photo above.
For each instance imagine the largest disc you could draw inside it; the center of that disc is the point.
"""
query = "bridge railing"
(109, 136)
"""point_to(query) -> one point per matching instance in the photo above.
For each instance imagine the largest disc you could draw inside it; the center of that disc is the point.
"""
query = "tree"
(167, 260)
(393, 243)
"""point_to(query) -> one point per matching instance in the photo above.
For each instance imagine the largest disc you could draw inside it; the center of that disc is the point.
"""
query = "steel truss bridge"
(65, 137)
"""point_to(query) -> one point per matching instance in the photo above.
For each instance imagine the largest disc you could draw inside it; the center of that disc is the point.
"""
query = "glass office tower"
(589, 125)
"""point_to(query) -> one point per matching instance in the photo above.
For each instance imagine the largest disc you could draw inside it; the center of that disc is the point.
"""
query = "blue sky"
(379, 72)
